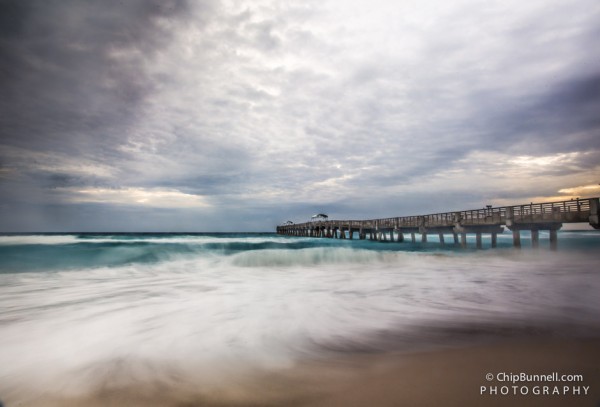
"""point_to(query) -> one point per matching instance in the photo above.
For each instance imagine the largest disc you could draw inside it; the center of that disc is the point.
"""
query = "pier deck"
(533, 216)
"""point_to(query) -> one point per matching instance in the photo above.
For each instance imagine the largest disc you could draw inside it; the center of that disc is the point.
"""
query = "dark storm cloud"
(72, 71)
(574, 107)
(563, 118)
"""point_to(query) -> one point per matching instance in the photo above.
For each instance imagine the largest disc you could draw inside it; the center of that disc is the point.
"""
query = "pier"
(547, 216)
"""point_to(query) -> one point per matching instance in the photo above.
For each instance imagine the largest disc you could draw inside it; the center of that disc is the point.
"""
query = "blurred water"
(76, 310)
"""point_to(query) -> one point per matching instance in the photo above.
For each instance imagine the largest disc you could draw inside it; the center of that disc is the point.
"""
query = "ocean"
(81, 313)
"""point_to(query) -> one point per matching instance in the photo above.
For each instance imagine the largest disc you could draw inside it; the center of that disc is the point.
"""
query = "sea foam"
(207, 315)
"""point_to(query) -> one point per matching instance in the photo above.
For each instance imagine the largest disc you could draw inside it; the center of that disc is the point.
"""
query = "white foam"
(198, 239)
(37, 239)
(206, 317)
(311, 257)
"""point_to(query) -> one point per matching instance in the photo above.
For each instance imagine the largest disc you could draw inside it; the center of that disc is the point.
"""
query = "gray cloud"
(268, 109)
(563, 118)
(72, 81)
(73, 69)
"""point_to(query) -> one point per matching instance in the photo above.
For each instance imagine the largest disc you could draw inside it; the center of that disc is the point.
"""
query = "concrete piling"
(535, 239)
(553, 240)
(517, 238)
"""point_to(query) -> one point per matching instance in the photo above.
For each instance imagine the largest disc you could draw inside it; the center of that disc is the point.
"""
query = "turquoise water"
(78, 310)
(59, 252)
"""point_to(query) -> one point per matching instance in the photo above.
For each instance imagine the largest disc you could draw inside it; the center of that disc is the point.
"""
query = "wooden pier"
(490, 220)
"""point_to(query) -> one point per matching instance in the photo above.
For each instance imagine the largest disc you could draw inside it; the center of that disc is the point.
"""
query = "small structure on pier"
(319, 217)
(548, 216)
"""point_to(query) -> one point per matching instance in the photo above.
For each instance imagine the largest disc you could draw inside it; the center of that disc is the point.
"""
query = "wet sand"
(454, 377)
(450, 377)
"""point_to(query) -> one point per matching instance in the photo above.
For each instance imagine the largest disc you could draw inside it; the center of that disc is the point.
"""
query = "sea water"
(80, 312)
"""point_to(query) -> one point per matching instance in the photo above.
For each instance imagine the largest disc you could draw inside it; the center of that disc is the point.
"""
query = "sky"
(175, 115)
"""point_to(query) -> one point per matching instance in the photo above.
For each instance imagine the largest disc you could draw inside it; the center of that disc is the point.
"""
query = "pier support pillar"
(412, 237)
(455, 235)
(424, 237)
(391, 235)
(494, 239)
(516, 238)
(400, 237)
(553, 240)
(594, 218)
(442, 238)
(478, 240)
(463, 240)
(535, 239)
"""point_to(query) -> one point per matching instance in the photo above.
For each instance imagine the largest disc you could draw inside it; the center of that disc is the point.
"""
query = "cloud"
(155, 197)
(582, 191)
(72, 69)
(360, 108)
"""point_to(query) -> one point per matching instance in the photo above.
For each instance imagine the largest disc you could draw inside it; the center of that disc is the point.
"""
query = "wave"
(23, 253)
(68, 252)
(15, 240)
(311, 257)
(51, 239)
